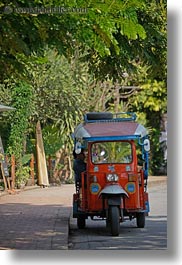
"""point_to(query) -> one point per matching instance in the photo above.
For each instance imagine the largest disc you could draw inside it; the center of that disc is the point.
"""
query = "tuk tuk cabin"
(113, 176)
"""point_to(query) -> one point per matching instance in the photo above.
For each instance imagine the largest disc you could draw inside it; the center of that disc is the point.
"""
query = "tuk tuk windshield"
(111, 152)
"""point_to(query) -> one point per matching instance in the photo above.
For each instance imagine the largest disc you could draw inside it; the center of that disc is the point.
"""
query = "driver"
(79, 166)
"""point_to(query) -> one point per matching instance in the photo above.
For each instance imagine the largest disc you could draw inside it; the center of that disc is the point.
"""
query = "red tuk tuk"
(113, 186)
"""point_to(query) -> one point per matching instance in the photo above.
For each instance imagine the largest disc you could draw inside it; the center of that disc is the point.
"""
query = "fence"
(8, 171)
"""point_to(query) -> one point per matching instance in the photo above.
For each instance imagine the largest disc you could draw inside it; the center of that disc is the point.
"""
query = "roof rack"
(93, 117)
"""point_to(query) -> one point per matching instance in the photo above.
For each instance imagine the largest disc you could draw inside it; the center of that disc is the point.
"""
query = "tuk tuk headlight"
(112, 177)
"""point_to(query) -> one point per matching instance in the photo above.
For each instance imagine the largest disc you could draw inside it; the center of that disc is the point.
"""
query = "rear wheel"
(114, 220)
(140, 219)
(81, 222)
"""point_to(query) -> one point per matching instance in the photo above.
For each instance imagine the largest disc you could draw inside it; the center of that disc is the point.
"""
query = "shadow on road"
(29, 226)
(96, 236)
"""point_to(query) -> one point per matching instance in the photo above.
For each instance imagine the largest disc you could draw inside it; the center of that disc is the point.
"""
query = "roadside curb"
(17, 191)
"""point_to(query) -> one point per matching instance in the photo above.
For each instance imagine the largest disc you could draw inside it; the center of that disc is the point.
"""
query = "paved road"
(152, 237)
(36, 219)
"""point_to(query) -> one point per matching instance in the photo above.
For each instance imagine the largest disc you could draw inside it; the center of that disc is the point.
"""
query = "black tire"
(140, 220)
(99, 116)
(114, 220)
(108, 224)
(81, 222)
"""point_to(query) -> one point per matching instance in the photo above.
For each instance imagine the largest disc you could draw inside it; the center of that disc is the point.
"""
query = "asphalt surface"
(38, 218)
(95, 236)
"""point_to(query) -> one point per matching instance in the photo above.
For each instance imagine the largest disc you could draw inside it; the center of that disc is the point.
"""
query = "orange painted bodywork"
(91, 202)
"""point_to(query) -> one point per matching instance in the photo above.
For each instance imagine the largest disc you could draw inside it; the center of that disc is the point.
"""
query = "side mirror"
(146, 143)
(78, 148)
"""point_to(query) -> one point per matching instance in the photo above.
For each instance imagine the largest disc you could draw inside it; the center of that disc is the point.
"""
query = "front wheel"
(81, 222)
(114, 220)
(140, 219)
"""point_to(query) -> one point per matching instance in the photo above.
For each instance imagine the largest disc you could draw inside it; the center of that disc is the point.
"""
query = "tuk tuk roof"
(112, 129)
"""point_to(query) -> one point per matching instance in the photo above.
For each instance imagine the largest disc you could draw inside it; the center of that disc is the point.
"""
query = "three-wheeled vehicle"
(114, 185)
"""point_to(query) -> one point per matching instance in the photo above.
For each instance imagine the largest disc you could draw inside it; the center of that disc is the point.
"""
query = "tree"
(22, 102)
(151, 103)
(153, 48)
(62, 92)
(96, 29)
(78, 61)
